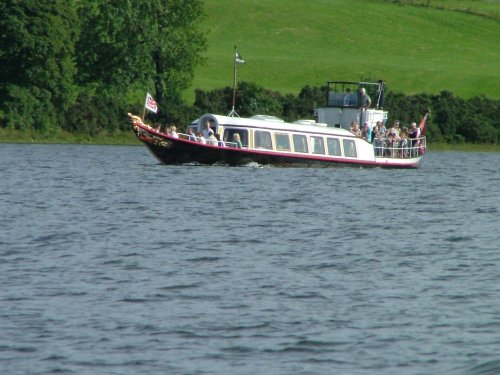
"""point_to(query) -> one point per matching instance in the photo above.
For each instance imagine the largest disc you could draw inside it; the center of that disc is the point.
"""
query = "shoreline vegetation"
(75, 83)
(127, 138)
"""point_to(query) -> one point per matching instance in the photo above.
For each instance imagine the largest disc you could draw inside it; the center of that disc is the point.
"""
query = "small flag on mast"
(238, 58)
(151, 103)
(421, 126)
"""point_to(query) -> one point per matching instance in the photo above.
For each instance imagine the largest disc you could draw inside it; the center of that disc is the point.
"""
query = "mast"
(236, 60)
(233, 112)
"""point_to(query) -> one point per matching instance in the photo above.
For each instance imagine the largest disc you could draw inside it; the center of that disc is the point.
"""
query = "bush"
(91, 114)
(26, 109)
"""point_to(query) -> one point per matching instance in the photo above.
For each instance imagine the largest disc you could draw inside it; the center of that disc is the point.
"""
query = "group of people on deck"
(208, 136)
(392, 142)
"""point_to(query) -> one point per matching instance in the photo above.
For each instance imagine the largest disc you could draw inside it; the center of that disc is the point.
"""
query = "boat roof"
(273, 123)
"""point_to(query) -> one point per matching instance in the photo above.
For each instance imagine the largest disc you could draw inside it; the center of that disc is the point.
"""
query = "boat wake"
(253, 164)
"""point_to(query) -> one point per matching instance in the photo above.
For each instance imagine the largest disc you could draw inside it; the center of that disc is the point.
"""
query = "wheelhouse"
(343, 104)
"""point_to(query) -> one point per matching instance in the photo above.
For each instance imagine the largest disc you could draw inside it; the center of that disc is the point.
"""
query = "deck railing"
(383, 147)
(207, 141)
(401, 149)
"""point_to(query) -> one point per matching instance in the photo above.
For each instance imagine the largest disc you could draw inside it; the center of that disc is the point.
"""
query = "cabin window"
(229, 134)
(282, 142)
(349, 148)
(333, 146)
(318, 145)
(263, 140)
(300, 143)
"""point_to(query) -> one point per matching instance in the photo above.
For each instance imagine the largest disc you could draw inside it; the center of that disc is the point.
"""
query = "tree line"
(76, 64)
(452, 119)
(80, 66)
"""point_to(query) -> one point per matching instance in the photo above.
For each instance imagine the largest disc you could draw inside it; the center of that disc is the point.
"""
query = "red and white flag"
(151, 103)
(421, 126)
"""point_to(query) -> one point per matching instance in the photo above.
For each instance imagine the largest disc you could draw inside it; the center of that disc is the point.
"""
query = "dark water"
(113, 264)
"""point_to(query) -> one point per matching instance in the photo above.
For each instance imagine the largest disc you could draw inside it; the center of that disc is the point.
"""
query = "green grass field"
(288, 44)
(487, 8)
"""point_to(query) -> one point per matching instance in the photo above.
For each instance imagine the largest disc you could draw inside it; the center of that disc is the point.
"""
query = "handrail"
(193, 138)
(383, 147)
(399, 149)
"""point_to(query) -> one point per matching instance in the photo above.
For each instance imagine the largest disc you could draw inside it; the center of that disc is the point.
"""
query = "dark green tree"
(141, 44)
(477, 129)
(214, 101)
(252, 99)
(36, 58)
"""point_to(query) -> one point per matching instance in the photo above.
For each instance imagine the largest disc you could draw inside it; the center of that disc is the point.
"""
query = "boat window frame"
(229, 131)
(337, 95)
(266, 134)
(349, 152)
(313, 140)
(282, 136)
(304, 137)
(338, 146)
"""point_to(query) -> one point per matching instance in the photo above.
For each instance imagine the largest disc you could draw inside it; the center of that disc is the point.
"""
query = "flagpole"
(234, 81)
(144, 110)
(233, 112)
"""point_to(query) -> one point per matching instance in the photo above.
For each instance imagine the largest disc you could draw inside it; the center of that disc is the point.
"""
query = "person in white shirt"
(207, 130)
(173, 132)
(201, 138)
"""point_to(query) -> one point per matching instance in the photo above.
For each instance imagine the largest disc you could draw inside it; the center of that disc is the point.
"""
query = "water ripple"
(116, 264)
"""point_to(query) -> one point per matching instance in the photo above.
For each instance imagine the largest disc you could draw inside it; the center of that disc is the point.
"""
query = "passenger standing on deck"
(207, 130)
(381, 130)
(365, 100)
(414, 131)
(348, 98)
(413, 134)
(379, 138)
(367, 132)
(395, 129)
(355, 129)
(403, 143)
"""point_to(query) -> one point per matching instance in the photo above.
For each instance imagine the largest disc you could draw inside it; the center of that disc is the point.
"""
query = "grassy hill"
(288, 44)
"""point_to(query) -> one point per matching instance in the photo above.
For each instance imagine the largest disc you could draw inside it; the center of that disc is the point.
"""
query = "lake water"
(111, 263)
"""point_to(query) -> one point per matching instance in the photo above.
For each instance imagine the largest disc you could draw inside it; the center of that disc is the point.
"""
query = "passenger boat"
(267, 140)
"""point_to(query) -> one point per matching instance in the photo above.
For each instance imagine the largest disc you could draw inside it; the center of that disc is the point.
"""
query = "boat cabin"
(269, 133)
(348, 101)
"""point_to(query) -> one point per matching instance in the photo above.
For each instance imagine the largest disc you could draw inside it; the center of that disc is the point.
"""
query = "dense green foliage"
(77, 65)
(73, 66)
(452, 119)
(36, 52)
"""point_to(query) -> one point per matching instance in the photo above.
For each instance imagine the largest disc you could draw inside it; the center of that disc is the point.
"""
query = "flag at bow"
(238, 59)
(421, 126)
(151, 103)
